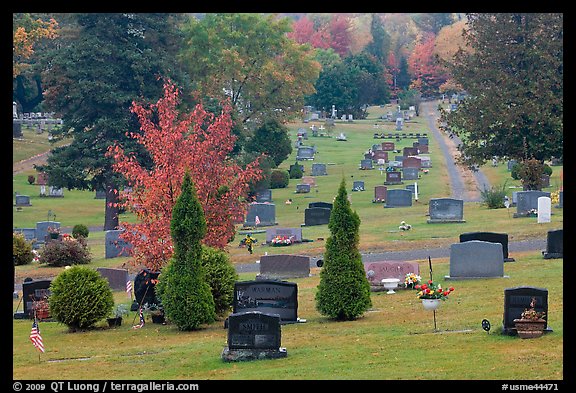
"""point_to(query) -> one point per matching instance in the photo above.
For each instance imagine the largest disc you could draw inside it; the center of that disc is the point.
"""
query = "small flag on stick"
(129, 288)
(257, 220)
(141, 320)
(35, 336)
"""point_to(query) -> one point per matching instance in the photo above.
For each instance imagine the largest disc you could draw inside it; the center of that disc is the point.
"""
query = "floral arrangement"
(55, 230)
(411, 280)
(404, 227)
(533, 212)
(279, 241)
(432, 290)
(531, 313)
(555, 197)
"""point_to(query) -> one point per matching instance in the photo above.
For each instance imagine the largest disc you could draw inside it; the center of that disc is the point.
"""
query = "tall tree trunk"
(112, 210)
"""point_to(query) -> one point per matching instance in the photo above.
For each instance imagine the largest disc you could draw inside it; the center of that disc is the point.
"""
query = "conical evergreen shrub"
(182, 286)
(344, 291)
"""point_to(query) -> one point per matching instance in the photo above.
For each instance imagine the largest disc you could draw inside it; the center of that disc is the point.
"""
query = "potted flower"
(53, 232)
(116, 317)
(431, 293)
(156, 312)
(411, 280)
(531, 322)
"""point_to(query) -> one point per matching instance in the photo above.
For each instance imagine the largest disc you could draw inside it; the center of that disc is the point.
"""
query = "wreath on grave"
(281, 241)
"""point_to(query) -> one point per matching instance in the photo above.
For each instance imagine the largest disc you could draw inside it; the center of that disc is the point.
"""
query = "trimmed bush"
(80, 230)
(221, 276)
(296, 171)
(21, 249)
(279, 178)
(67, 252)
(80, 297)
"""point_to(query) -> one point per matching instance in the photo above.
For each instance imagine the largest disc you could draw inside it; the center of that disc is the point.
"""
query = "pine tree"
(343, 291)
(182, 288)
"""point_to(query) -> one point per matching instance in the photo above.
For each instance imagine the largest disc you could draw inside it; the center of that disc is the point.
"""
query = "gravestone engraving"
(302, 188)
(376, 271)
(316, 216)
(283, 266)
(409, 173)
(554, 244)
(393, 177)
(398, 198)
(527, 201)
(266, 212)
(115, 246)
(358, 185)
(476, 259)
(319, 170)
(268, 296)
(544, 209)
(380, 194)
(295, 233)
(326, 205)
(117, 278)
(493, 237)
(516, 300)
(446, 210)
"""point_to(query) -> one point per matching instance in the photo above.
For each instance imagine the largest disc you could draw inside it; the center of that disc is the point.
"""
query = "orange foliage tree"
(199, 142)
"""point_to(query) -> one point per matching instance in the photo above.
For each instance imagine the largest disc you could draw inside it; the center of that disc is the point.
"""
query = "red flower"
(417, 286)
(430, 281)
(446, 293)
(427, 290)
(451, 289)
(424, 286)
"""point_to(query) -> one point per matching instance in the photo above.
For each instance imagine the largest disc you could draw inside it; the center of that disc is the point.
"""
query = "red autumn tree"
(428, 74)
(199, 142)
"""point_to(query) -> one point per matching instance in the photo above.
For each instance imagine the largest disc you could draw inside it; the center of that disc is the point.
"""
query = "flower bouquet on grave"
(281, 241)
(411, 280)
(431, 290)
(531, 322)
(53, 232)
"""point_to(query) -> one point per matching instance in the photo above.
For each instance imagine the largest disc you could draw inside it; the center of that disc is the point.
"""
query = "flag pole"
(433, 311)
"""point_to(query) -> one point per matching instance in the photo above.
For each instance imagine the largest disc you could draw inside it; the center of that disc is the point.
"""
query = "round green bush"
(80, 230)
(21, 249)
(80, 297)
(65, 253)
(279, 178)
(221, 276)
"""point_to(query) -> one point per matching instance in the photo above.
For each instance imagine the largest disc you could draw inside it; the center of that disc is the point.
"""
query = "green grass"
(394, 340)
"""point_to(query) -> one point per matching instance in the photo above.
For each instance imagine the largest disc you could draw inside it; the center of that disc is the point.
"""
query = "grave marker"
(376, 271)
(544, 209)
(266, 212)
(269, 296)
(476, 259)
(398, 198)
(445, 210)
(281, 266)
(319, 170)
(554, 244)
(493, 237)
(516, 300)
(527, 201)
(380, 194)
(296, 233)
(117, 278)
(316, 216)
(115, 246)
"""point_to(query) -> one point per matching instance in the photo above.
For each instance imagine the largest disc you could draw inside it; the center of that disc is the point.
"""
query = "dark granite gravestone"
(264, 196)
(33, 291)
(366, 164)
(319, 170)
(295, 233)
(409, 151)
(266, 213)
(379, 194)
(380, 155)
(422, 141)
(253, 335)
(446, 210)
(410, 173)
(117, 278)
(398, 198)
(393, 178)
(376, 271)
(516, 300)
(305, 153)
(145, 287)
(116, 246)
(268, 296)
(423, 149)
(316, 216)
(476, 259)
(388, 146)
(281, 266)
(412, 162)
(326, 205)
(302, 188)
(527, 200)
(493, 237)
(554, 244)
(358, 185)
(23, 200)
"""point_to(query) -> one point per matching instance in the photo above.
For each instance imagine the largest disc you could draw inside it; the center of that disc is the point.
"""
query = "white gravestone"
(544, 209)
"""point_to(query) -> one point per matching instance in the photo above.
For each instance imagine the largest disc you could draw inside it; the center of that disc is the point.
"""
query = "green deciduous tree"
(343, 292)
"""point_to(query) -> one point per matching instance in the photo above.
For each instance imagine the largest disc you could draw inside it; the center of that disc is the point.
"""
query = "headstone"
(33, 291)
(326, 205)
(55, 192)
(16, 128)
(266, 212)
(295, 233)
(100, 194)
(554, 244)
(316, 216)
(319, 170)
(425, 162)
(117, 278)
(380, 194)
(310, 180)
(544, 209)
(264, 196)
(493, 237)
(399, 122)
(253, 335)
(398, 198)
(380, 155)
(422, 141)
(410, 173)
(388, 146)
(358, 185)
(23, 200)
(410, 151)
(305, 153)
(376, 271)
(282, 266)
(115, 246)
(527, 201)
(560, 199)
(545, 181)
(510, 164)
(518, 299)
(423, 149)
(42, 229)
(476, 259)
(393, 178)
(29, 233)
(366, 164)
(269, 296)
(446, 210)
(302, 188)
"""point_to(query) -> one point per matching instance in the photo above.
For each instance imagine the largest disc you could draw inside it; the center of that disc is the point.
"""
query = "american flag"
(35, 336)
(129, 288)
(257, 220)
(141, 320)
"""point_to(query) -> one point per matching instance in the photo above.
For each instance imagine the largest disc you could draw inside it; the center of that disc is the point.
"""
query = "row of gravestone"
(317, 213)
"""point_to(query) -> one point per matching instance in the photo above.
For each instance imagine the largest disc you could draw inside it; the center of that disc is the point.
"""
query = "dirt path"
(27, 164)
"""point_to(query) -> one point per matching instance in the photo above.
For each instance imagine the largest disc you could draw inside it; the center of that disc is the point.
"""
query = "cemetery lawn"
(395, 340)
